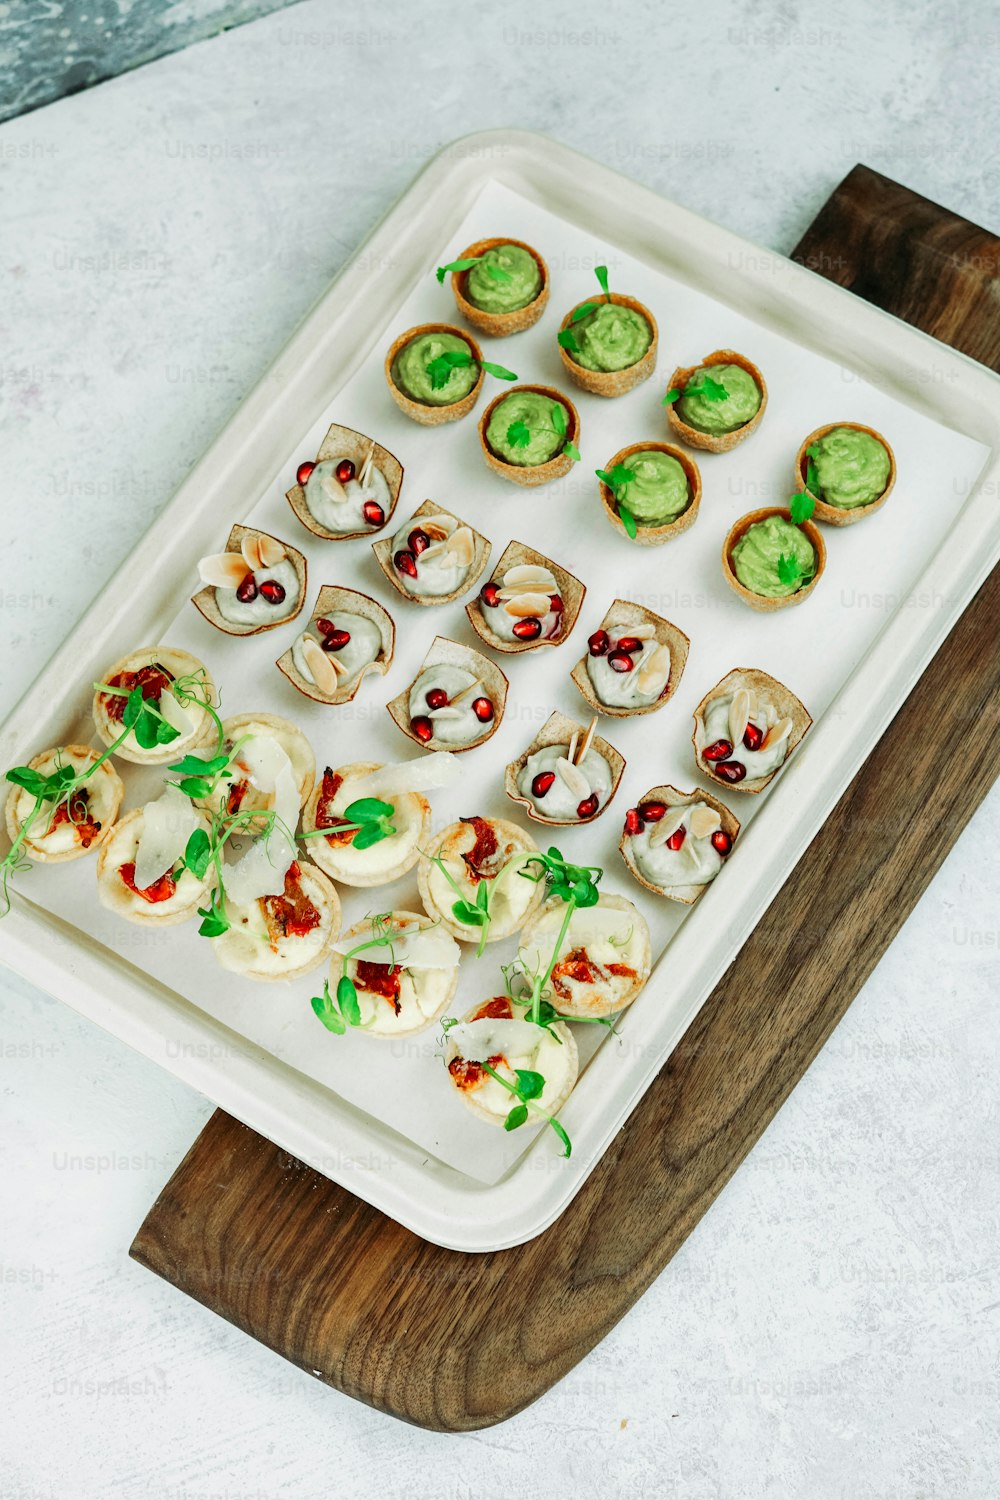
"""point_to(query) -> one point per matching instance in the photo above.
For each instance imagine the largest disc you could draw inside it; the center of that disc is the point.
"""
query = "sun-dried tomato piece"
(380, 979)
(160, 890)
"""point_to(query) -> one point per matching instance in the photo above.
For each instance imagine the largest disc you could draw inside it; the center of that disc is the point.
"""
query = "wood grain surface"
(344, 1292)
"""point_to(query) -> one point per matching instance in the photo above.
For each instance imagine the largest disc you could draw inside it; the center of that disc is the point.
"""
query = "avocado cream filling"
(852, 468)
(774, 558)
(518, 284)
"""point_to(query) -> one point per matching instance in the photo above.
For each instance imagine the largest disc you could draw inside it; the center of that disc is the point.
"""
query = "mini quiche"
(141, 874)
(261, 746)
(496, 1034)
(603, 961)
(675, 843)
(402, 986)
(180, 687)
(469, 854)
(283, 935)
(79, 825)
(335, 851)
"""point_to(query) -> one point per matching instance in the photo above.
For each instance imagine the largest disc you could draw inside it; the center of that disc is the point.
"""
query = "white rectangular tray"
(894, 586)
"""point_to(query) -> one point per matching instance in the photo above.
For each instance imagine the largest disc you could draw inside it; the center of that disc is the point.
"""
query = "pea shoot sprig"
(618, 480)
(497, 273)
(439, 369)
(343, 1010)
(63, 784)
(151, 727)
(567, 338)
(476, 913)
(527, 1087)
(519, 434)
(712, 390)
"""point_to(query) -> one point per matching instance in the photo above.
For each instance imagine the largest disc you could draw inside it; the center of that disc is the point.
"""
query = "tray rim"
(251, 1083)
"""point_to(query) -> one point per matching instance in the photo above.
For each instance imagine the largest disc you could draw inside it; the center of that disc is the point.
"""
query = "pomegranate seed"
(325, 626)
(483, 710)
(303, 471)
(720, 750)
(752, 737)
(528, 629)
(620, 661)
(419, 541)
(628, 643)
(246, 592)
(272, 591)
(404, 562)
(436, 698)
(344, 471)
(721, 842)
(633, 822)
(598, 643)
(730, 770)
(335, 640)
(588, 807)
(652, 812)
(373, 513)
(555, 604)
(422, 727)
(677, 838)
(540, 784)
(490, 594)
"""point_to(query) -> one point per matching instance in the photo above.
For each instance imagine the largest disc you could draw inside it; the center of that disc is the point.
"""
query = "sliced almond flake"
(668, 824)
(464, 692)
(588, 740)
(571, 752)
(324, 476)
(770, 714)
(447, 714)
(704, 821)
(529, 576)
(250, 548)
(461, 545)
(438, 528)
(573, 778)
(653, 671)
(776, 734)
(524, 606)
(739, 715)
(223, 570)
(271, 551)
(323, 667)
(645, 632)
(366, 467)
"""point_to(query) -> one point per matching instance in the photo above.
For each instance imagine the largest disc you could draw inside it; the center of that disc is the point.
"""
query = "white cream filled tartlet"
(473, 852)
(603, 961)
(66, 829)
(449, 704)
(141, 874)
(335, 850)
(677, 848)
(523, 604)
(742, 737)
(497, 1034)
(344, 500)
(282, 935)
(402, 986)
(176, 683)
(432, 556)
(562, 790)
(336, 650)
(627, 666)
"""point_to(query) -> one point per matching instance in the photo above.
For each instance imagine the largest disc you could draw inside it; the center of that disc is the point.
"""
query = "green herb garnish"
(440, 367)
(519, 433)
(337, 1014)
(617, 480)
(566, 339)
(497, 272)
(789, 569)
(712, 390)
(801, 507)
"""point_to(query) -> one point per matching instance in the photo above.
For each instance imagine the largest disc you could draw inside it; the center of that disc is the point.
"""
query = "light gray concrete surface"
(830, 1329)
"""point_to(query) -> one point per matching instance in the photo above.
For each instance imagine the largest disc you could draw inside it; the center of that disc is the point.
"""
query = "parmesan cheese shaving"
(167, 824)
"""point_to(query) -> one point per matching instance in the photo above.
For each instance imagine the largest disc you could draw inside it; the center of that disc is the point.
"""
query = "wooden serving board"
(342, 1291)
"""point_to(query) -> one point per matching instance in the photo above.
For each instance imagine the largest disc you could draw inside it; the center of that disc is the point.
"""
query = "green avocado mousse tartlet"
(529, 435)
(717, 404)
(774, 557)
(608, 345)
(435, 373)
(651, 492)
(501, 285)
(848, 469)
